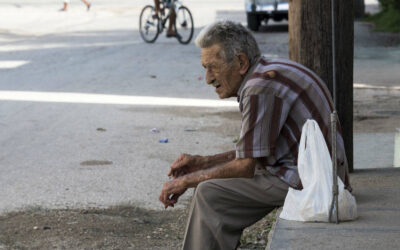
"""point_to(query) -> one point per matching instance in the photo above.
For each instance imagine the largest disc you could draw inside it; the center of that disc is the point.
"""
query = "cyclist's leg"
(65, 8)
(157, 6)
(86, 3)
(171, 31)
(172, 17)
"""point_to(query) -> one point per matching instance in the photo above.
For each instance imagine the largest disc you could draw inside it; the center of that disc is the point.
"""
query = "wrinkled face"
(223, 76)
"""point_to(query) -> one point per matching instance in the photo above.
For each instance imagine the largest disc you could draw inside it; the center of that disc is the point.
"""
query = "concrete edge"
(271, 233)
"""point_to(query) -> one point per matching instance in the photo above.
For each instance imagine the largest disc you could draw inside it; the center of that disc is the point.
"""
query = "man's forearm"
(214, 160)
(236, 168)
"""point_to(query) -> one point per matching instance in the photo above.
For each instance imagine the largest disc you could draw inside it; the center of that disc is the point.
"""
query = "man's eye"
(212, 67)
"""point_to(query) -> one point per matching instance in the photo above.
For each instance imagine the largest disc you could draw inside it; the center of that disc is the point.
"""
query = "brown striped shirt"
(274, 109)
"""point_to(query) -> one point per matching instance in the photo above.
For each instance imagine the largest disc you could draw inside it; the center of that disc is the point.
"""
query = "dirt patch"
(120, 227)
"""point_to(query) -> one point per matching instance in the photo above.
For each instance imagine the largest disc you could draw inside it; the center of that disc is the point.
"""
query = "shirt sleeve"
(262, 120)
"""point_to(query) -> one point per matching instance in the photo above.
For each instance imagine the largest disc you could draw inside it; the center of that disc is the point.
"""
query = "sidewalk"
(377, 192)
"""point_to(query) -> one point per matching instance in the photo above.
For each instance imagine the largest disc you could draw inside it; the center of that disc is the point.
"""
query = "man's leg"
(65, 8)
(157, 6)
(172, 18)
(222, 208)
(87, 4)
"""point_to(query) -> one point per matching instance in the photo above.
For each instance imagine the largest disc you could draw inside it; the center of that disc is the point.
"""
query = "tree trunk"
(310, 44)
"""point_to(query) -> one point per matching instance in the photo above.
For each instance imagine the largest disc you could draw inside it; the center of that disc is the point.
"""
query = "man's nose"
(210, 79)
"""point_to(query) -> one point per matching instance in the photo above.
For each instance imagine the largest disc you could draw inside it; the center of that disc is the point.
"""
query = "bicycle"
(151, 24)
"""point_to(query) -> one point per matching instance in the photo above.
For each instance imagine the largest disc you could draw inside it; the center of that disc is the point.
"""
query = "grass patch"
(386, 21)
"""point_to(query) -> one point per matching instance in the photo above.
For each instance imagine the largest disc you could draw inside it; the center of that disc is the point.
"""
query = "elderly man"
(276, 97)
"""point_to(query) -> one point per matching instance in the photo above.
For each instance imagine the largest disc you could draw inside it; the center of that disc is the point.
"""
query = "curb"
(272, 231)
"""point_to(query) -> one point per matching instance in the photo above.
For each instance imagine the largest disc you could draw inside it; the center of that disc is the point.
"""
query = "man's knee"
(206, 191)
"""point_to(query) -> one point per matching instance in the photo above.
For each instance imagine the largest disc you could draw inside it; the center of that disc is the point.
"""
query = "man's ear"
(244, 63)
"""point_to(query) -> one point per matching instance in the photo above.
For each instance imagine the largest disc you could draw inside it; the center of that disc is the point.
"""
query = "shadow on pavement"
(272, 28)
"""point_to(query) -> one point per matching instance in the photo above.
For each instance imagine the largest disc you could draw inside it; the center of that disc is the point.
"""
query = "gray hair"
(233, 38)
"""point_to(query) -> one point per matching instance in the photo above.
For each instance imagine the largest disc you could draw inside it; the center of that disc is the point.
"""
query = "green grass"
(386, 21)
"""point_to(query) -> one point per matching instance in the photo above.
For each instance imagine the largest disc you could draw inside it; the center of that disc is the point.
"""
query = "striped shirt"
(276, 98)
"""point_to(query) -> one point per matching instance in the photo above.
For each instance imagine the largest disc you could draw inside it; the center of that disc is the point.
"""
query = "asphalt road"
(80, 93)
(86, 147)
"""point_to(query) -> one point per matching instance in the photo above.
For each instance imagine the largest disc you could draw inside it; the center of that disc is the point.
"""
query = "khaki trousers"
(222, 208)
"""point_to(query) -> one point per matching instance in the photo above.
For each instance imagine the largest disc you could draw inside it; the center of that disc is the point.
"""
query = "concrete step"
(377, 192)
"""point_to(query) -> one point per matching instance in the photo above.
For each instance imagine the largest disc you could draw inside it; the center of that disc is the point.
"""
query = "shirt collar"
(246, 78)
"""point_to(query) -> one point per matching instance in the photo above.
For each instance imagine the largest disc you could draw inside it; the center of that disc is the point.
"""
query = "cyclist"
(169, 4)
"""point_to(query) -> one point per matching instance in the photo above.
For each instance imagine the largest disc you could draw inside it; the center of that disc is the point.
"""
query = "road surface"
(80, 93)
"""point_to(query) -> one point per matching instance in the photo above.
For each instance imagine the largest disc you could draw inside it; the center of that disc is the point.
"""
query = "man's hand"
(171, 192)
(186, 164)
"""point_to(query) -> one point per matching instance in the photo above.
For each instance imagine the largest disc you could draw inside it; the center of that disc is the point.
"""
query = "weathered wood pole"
(310, 43)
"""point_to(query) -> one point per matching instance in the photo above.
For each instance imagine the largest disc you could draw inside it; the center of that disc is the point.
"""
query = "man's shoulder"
(280, 64)
(286, 74)
(267, 69)
(257, 86)
(289, 69)
(263, 80)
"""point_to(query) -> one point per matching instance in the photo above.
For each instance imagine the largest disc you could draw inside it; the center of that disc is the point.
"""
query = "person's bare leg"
(157, 6)
(171, 31)
(87, 4)
(65, 7)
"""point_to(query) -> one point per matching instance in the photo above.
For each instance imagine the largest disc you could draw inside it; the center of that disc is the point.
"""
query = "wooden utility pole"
(310, 43)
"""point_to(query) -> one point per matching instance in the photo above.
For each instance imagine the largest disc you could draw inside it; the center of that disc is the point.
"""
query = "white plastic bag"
(315, 171)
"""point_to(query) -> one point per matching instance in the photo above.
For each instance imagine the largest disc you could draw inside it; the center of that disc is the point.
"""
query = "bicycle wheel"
(148, 24)
(184, 25)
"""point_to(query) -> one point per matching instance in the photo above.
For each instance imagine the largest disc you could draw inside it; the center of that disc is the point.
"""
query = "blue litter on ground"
(164, 140)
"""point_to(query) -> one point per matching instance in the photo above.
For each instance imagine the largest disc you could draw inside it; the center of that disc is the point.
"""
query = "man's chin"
(224, 96)
(221, 96)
